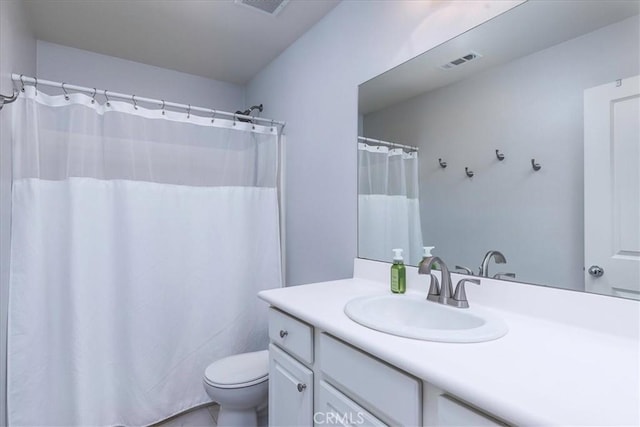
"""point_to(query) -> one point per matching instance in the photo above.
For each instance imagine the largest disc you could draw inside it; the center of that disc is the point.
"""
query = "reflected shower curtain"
(139, 242)
(388, 204)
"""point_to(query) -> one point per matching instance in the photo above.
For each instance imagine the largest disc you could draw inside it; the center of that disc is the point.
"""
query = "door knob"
(596, 271)
(283, 333)
(301, 387)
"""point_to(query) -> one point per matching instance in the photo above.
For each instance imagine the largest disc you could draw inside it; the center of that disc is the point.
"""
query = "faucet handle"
(502, 275)
(466, 270)
(460, 296)
(434, 289)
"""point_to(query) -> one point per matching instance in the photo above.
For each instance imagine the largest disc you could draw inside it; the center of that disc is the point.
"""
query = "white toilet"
(240, 384)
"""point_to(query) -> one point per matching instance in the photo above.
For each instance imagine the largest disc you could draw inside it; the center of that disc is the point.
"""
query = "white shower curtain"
(388, 204)
(139, 242)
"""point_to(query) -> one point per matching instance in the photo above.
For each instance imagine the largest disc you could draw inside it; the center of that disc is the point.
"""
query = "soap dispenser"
(398, 273)
(426, 253)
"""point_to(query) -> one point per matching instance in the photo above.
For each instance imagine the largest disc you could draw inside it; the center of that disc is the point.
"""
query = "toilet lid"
(239, 369)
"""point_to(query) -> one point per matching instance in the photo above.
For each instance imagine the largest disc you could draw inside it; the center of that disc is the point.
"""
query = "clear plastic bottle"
(398, 273)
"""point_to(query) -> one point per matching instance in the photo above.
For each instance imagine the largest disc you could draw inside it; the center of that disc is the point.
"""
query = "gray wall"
(17, 55)
(84, 68)
(531, 107)
(313, 85)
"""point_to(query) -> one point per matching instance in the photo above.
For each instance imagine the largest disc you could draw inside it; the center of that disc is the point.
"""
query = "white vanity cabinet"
(317, 379)
(290, 378)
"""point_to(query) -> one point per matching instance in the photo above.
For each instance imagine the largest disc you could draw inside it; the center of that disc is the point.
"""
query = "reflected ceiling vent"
(270, 7)
(462, 60)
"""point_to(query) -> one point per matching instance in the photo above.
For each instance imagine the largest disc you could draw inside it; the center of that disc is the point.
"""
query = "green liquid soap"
(398, 274)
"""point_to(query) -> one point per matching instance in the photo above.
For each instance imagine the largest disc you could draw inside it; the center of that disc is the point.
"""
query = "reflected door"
(612, 188)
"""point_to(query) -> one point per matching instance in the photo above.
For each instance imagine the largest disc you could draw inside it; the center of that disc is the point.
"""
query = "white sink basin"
(412, 316)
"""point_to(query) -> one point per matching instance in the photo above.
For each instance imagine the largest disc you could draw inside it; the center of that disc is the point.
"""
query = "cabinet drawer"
(294, 336)
(390, 394)
(456, 414)
(334, 408)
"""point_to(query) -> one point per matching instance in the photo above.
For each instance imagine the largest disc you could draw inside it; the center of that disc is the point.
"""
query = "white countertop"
(541, 373)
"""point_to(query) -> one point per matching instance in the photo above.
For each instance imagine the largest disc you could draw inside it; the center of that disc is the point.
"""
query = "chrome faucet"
(499, 258)
(444, 294)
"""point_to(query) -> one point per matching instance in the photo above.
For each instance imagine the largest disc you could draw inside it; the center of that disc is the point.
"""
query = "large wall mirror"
(520, 136)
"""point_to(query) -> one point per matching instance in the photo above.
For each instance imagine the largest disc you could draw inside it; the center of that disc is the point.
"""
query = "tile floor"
(205, 416)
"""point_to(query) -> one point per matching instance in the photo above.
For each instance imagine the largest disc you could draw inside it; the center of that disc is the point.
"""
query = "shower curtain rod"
(19, 78)
(392, 144)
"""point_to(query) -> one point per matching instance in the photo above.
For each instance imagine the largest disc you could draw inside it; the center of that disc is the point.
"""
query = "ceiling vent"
(462, 60)
(270, 7)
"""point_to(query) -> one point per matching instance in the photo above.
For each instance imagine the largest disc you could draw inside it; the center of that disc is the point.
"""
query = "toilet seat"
(238, 371)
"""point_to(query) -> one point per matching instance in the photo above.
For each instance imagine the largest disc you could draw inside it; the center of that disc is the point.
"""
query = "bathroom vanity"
(567, 359)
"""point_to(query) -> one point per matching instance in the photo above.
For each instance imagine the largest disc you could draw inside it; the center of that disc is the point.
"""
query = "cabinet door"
(456, 414)
(290, 391)
(334, 408)
(392, 395)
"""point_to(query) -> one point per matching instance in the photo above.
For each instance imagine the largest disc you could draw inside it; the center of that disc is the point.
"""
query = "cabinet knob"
(301, 387)
(283, 333)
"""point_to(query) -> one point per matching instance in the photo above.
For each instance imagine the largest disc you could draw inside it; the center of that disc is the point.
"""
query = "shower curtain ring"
(272, 120)
(234, 119)
(93, 96)
(22, 81)
(213, 115)
(36, 85)
(107, 98)
(189, 111)
(66, 95)
(133, 97)
(163, 107)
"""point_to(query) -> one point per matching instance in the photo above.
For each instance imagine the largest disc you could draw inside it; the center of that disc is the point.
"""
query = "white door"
(290, 391)
(612, 188)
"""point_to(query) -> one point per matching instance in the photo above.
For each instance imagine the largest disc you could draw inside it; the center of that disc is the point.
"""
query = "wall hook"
(8, 99)
(468, 172)
(536, 166)
(499, 155)
(442, 164)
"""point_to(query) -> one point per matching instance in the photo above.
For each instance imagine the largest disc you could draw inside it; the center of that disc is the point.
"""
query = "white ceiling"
(218, 39)
(528, 28)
